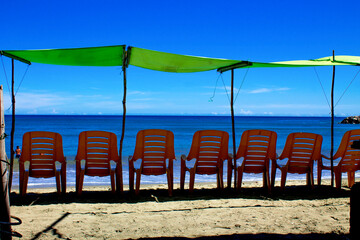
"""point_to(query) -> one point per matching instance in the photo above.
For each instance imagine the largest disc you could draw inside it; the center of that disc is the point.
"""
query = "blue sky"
(256, 31)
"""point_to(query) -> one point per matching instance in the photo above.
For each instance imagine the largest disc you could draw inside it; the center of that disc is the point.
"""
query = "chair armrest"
(230, 156)
(131, 159)
(184, 160)
(62, 162)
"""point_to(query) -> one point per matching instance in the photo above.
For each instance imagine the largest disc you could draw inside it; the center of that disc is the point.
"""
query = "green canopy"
(154, 60)
(94, 56)
(169, 62)
(326, 61)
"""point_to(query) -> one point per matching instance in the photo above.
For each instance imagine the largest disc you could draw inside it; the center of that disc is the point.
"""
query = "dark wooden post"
(233, 126)
(124, 110)
(332, 124)
(5, 229)
(12, 124)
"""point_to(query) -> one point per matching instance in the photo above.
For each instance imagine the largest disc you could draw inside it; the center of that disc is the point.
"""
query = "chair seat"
(154, 149)
(96, 151)
(209, 148)
(349, 159)
(301, 150)
(43, 150)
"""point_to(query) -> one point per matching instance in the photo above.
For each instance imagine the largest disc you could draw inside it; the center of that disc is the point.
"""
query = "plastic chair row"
(98, 156)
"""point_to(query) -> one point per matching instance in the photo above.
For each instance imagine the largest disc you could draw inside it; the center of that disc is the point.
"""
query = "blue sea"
(183, 128)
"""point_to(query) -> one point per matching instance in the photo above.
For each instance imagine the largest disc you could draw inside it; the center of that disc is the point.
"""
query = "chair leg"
(264, 180)
(182, 178)
(351, 179)
(138, 178)
(273, 174)
(119, 180)
(308, 181)
(192, 180)
(131, 178)
(319, 176)
(311, 176)
(63, 180)
(112, 180)
(267, 181)
(283, 179)
(239, 178)
(221, 178)
(58, 186)
(24, 183)
(229, 173)
(81, 182)
(170, 182)
(337, 179)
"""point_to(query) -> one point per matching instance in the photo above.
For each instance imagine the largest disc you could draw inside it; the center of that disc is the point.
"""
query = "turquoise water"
(183, 128)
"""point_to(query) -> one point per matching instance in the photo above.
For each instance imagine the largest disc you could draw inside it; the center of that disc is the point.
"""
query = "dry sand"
(297, 213)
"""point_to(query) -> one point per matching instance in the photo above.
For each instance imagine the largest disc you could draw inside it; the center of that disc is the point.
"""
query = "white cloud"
(268, 113)
(136, 93)
(141, 99)
(266, 90)
(289, 106)
(245, 112)
(32, 101)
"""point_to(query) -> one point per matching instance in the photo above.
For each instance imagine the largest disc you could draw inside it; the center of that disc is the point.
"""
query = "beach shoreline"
(322, 213)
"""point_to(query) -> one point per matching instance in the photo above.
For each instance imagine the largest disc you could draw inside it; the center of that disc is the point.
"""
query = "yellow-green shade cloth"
(159, 61)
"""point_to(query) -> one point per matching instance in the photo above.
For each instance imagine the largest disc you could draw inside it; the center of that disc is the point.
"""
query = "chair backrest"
(154, 146)
(97, 148)
(257, 147)
(302, 149)
(350, 157)
(210, 149)
(42, 149)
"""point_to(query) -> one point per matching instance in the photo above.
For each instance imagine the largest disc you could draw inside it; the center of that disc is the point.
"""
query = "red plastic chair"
(349, 159)
(256, 148)
(153, 147)
(301, 150)
(42, 150)
(210, 149)
(98, 149)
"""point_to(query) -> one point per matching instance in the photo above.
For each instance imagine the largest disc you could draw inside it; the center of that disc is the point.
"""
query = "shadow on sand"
(161, 195)
(268, 236)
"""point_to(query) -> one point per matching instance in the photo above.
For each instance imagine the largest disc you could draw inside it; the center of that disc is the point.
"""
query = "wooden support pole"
(12, 123)
(124, 109)
(233, 125)
(332, 124)
(5, 229)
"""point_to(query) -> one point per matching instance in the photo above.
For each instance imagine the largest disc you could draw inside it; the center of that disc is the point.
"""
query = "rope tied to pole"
(322, 87)
(347, 87)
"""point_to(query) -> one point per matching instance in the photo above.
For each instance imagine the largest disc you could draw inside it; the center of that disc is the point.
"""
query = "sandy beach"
(297, 213)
